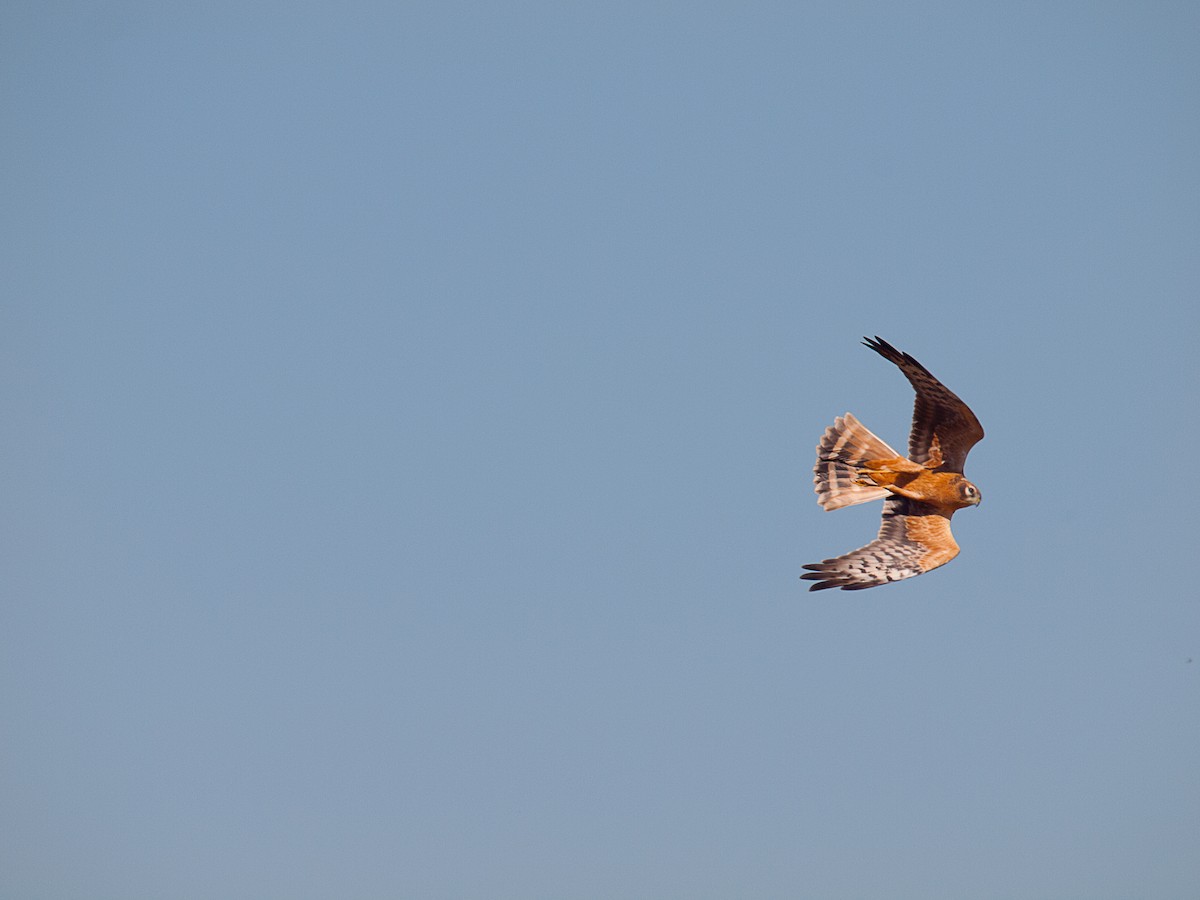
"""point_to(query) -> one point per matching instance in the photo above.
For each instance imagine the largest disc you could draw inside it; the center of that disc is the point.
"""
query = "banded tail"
(846, 445)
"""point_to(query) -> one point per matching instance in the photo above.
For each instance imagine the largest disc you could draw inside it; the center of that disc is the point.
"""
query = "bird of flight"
(923, 490)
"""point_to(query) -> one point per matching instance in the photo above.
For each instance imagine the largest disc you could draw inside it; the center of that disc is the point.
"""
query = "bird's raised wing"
(913, 539)
(939, 417)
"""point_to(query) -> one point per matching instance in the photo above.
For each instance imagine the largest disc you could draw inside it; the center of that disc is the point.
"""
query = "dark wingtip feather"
(827, 579)
(882, 347)
(823, 578)
(891, 354)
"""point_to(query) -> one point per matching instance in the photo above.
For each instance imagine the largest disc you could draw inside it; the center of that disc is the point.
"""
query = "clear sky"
(409, 419)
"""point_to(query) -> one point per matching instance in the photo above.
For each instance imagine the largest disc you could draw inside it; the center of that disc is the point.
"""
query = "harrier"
(922, 491)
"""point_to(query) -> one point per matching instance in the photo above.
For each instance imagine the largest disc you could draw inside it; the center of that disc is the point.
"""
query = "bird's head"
(968, 493)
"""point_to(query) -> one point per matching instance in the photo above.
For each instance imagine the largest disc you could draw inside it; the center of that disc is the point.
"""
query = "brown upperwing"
(941, 421)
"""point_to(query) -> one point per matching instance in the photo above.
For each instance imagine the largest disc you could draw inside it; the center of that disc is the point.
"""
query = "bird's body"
(922, 490)
(916, 482)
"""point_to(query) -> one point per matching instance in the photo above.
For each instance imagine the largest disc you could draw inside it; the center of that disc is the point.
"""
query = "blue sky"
(410, 418)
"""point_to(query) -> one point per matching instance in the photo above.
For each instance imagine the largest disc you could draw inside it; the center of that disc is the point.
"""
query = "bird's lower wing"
(913, 539)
